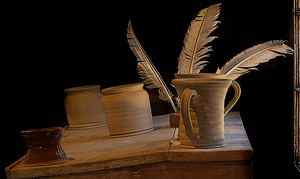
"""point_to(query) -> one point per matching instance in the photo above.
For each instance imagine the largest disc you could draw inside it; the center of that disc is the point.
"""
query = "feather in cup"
(147, 71)
(246, 61)
(197, 36)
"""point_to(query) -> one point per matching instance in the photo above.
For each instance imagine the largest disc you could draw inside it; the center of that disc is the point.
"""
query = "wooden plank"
(111, 174)
(7, 169)
(206, 170)
(174, 170)
(93, 150)
(237, 145)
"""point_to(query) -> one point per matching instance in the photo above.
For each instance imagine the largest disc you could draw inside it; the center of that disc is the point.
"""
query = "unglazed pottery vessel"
(127, 110)
(199, 75)
(83, 107)
(44, 146)
(204, 127)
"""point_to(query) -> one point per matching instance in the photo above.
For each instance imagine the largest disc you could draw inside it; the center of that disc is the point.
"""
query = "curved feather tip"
(247, 60)
(194, 50)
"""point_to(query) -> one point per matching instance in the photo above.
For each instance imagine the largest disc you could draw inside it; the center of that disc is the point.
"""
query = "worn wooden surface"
(94, 153)
(173, 170)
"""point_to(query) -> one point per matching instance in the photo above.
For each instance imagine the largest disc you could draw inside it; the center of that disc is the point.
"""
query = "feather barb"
(147, 71)
(247, 60)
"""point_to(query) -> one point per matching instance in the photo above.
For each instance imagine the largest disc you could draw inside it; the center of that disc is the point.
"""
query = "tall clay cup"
(205, 97)
(44, 146)
(83, 107)
(127, 110)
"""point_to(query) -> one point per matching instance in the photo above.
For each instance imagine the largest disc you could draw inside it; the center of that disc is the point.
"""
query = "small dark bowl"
(44, 146)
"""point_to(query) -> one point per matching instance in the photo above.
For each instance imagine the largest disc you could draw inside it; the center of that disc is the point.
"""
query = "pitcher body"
(202, 110)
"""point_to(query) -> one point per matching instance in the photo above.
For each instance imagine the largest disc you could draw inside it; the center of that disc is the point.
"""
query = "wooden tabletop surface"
(94, 150)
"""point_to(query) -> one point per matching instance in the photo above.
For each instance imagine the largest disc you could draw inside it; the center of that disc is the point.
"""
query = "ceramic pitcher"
(198, 75)
(205, 98)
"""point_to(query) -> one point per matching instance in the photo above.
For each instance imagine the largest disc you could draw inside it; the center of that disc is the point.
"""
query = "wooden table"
(94, 154)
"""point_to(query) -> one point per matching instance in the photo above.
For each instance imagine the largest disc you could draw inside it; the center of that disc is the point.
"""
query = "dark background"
(48, 47)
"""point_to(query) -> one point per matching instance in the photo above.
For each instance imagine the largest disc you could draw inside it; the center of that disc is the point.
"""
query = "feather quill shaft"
(146, 69)
(196, 38)
(247, 60)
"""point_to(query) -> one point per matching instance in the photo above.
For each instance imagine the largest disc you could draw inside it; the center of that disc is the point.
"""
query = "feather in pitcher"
(147, 71)
(247, 60)
(197, 36)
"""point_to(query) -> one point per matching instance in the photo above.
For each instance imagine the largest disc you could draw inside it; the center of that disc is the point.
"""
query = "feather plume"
(147, 71)
(197, 36)
(246, 61)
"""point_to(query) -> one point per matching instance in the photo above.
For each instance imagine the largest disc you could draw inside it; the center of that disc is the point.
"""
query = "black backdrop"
(50, 47)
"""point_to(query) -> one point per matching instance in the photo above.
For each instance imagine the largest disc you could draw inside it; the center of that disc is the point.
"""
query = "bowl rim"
(39, 130)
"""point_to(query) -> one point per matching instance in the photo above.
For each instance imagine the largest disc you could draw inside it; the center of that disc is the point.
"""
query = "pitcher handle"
(185, 111)
(237, 94)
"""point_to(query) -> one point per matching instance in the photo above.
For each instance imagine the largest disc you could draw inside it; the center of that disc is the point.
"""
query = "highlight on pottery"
(127, 110)
(202, 110)
(199, 75)
(83, 107)
(44, 146)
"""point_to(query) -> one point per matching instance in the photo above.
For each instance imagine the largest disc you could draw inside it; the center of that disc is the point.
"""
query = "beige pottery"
(127, 110)
(83, 107)
(198, 75)
(204, 126)
(202, 75)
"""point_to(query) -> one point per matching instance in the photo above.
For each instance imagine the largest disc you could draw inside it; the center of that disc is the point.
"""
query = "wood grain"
(93, 151)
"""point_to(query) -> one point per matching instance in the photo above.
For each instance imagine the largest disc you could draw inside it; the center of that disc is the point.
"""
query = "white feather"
(245, 61)
(147, 71)
(196, 38)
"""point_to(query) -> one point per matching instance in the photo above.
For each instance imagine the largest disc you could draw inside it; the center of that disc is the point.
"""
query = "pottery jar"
(127, 110)
(83, 107)
(44, 146)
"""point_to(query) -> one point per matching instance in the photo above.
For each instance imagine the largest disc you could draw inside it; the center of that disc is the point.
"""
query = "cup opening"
(82, 88)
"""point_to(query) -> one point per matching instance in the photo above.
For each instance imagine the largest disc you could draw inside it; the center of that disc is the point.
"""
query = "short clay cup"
(204, 126)
(44, 146)
(83, 107)
(127, 110)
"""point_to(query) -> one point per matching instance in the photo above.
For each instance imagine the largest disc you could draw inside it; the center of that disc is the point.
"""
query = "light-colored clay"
(203, 127)
(127, 110)
(83, 107)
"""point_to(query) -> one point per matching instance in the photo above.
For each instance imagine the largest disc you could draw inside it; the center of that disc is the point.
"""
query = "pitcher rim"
(201, 80)
(199, 74)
